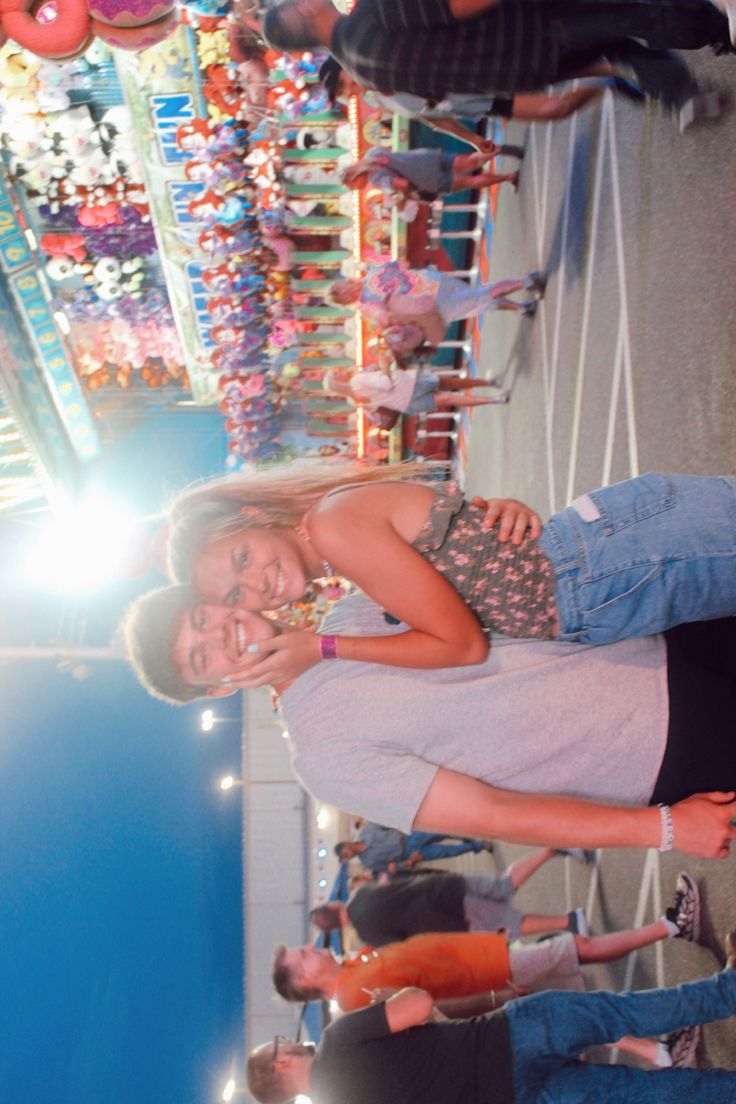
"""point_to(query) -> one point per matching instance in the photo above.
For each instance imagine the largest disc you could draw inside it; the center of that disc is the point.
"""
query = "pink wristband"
(328, 647)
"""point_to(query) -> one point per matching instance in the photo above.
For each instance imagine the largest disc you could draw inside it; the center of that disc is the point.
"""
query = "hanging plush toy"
(131, 24)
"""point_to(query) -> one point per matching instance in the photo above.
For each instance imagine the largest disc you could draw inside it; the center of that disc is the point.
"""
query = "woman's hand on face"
(284, 658)
(703, 824)
(515, 520)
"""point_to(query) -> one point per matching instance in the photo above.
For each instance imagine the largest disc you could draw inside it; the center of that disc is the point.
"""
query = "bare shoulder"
(403, 506)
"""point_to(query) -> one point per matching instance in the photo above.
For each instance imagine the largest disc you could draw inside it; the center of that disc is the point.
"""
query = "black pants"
(701, 739)
(604, 29)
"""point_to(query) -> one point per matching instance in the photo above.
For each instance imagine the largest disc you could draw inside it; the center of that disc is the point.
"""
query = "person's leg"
(561, 1025)
(585, 1082)
(457, 299)
(528, 307)
(536, 923)
(557, 105)
(660, 74)
(446, 400)
(677, 1051)
(463, 383)
(482, 180)
(522, 870)
(607, 948)
(466, 163)
(661, 24)
(507, 287)
(433, 847)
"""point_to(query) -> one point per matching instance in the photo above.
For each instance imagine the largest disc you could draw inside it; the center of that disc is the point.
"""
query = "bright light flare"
(229, 1091)
(227, 782)
(84, 545)
(207, 721)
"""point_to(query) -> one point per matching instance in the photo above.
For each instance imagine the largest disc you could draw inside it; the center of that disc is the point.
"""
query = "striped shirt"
(418, 46)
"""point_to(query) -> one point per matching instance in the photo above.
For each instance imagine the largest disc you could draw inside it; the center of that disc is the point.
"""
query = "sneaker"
(500, 398)
(578, 854)
(684, 912)
(577, 922)
(530, 309)
(700, 107)
(682, 1047)
(536, 282)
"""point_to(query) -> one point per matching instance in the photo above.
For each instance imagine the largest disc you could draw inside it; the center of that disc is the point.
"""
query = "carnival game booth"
(183, 214)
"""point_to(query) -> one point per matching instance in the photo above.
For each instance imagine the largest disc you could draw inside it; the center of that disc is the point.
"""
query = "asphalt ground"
(627, 368)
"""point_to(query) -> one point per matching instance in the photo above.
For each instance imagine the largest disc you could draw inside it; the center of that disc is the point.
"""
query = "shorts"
(487, 904)
(551, 964)
(422, 399)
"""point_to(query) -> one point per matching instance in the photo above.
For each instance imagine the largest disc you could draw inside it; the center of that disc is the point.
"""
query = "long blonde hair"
(276, 496)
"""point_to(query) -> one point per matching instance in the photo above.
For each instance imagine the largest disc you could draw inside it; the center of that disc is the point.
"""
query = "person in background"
(470, 973)
(401, 1051)
(422, 174)
(396, 910)
(379, 847)
(408, 390)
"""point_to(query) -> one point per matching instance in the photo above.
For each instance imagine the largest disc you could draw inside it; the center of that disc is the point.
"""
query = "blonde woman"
(409, 390)
(627, 560)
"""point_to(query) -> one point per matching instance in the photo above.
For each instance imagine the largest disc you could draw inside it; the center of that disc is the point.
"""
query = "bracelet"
(668, 830)
(328, 647)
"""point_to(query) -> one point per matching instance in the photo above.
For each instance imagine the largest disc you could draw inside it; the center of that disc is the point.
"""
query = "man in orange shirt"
(468, 973)
(446, 964)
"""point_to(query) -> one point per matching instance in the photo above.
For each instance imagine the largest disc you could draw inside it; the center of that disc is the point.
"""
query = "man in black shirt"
(434, 47)
(389, 913)
(404, 1052)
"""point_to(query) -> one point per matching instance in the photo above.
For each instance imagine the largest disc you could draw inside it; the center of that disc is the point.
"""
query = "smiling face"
(254, 569)
(211, 642)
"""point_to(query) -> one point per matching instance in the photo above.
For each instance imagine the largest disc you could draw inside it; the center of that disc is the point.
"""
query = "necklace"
(327, 572)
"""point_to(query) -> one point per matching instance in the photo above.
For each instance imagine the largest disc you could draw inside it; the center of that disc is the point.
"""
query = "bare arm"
(459, 805)
(456, 129)
(360, 533)
(556, 105)
(409, 1008)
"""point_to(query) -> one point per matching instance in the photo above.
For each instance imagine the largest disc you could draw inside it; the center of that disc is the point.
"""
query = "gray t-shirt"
(536, 717)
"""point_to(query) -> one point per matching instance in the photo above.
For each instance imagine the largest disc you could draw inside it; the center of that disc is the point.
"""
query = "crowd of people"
(478, 637)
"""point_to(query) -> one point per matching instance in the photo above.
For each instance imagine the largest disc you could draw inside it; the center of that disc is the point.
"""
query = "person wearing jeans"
(550, 1030)
(400, 1050)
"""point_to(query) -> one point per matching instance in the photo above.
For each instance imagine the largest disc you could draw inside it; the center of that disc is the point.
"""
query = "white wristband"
(668, 831)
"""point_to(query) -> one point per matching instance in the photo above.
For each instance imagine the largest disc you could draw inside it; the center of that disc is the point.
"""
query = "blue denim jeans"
(549, 1030)
(661, 552)
(433, 846)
